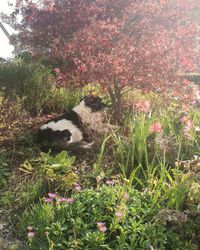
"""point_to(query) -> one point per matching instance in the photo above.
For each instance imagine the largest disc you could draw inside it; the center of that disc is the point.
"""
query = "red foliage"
(142, 43)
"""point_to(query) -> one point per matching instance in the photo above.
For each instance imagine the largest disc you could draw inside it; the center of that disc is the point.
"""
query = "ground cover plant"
(110, 217)
(139, 186)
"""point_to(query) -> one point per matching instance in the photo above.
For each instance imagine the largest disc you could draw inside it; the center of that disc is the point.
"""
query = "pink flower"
(189, 124)
(61, 199)
(52, 195)
(119, 214)
(48, 200)
(185, 108)
(146, 106)
(156, 127)
(70, 200)
(78, 187)
(126, 196)
(101, 226)
(110, 182)
(142, 106)
(184, 119)
(139, 105)
(31, 234)
(57, 71)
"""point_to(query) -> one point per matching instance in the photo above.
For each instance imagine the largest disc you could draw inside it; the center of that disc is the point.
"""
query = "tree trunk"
(116, 99)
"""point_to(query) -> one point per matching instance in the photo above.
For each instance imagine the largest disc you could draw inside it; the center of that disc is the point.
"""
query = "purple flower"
(70, 200)
(101, 226)
(48, 200)
(110, 182)
(31, 234)
(52, 195)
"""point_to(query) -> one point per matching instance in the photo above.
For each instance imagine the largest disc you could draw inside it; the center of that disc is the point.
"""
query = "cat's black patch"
(49, 138)
(94, 102)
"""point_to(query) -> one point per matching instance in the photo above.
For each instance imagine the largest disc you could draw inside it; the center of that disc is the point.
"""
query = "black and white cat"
(68, 130)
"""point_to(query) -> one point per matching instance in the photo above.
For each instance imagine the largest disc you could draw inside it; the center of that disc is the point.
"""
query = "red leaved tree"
(117, 43)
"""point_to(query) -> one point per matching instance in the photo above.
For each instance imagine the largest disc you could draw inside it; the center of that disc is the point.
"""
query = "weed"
(4, 172)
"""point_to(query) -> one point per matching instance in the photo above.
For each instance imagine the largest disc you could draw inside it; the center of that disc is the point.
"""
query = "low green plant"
(98, 165)
(110, 217)
(29, 191)
(182, 138)
(56, 170)
(104, 218)
(6, 199)
(30, 82)
(21, 194)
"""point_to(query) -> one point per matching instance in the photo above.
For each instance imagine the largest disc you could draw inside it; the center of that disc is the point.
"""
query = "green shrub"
(32, 82)
(36, 86)
(63, 99)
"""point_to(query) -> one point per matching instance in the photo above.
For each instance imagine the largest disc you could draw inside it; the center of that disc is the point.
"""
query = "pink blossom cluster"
(102, 227)
(156, 127)
(119, 214)
(142, 106)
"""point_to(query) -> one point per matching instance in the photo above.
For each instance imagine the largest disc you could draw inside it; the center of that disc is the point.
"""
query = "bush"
(31, 82)
(35, 85)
